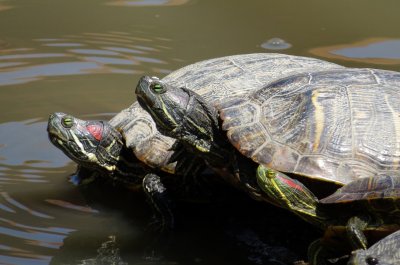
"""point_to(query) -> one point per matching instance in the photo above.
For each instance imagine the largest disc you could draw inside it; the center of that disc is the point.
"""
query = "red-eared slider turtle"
(129, 147)
(323, 127)
(384, 252)
(366, 206)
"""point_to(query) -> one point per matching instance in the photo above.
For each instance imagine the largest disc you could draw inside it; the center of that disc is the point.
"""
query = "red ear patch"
(292, 183)
(95, 130)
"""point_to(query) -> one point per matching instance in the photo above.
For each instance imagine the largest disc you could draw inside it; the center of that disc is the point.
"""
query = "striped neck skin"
(292, 195)
(94, 145)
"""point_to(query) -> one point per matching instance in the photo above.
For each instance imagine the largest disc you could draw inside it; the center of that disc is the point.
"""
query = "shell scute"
(248, 114)
(323, 168)
(248, 139)
(345, 78)
(281, 158)
(382, 76)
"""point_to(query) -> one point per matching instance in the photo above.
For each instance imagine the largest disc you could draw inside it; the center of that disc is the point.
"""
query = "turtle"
(384, 252)
(365, 206)
(324, 128)
(129, 147)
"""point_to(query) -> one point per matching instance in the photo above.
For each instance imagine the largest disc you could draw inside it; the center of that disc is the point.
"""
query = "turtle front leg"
(354, 229)
(187, 163)
(290, 194)
(159, 200)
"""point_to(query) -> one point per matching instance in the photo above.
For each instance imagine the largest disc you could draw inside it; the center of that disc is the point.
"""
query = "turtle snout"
(144, 82)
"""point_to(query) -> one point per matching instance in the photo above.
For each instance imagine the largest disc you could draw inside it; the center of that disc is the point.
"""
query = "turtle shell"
(382, 187)
(214, 79)
(336, 126)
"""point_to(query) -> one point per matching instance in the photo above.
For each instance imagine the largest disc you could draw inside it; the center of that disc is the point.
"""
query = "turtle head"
(91, 144)
(290, 194)
(179, 113)
(164, 103)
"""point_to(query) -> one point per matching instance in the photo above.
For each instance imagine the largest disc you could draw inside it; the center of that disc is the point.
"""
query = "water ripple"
(30, 56)
(38, 72)
(35, 260)
(63, 44)
(93, 52)
(101, 53)
(108, 60)
(149, 3)
(72, 206)
(19, 205)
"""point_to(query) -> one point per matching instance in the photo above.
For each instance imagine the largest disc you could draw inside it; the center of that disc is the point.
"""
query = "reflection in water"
(107, 254)
(7, 198)
(376, 51)
(18, 240)
(3, 44)
(4, 7)
(72, 206)
(148, 2)
(276, 44)
(389, 49)
(92, 53)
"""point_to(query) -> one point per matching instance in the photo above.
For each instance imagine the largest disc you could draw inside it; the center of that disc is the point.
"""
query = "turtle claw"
(159, 200)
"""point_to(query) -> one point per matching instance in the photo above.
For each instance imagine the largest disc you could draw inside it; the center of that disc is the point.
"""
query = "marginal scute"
(380, 192)
(248, 139)
(280, 158)
(320, 167)
(156, 157)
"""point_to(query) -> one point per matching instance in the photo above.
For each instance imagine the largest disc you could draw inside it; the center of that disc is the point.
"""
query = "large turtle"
(128, 147)
(321, 127)
(365, 206)
(384, 252)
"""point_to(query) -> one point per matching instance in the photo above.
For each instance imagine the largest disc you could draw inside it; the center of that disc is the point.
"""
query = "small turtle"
(129, 147)
(366, 206)
(384, 252)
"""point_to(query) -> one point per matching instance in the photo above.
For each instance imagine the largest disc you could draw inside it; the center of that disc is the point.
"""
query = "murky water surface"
(85, 57)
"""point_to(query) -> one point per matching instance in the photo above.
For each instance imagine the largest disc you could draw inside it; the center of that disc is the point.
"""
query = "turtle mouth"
(70, 148)
(143, 102)
(56, 140)
(147, 106)
(55, 137)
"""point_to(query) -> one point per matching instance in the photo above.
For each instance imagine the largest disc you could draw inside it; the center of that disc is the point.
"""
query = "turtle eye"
(271, 173)
(372, 261)
(158, 88)
(67, 122)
